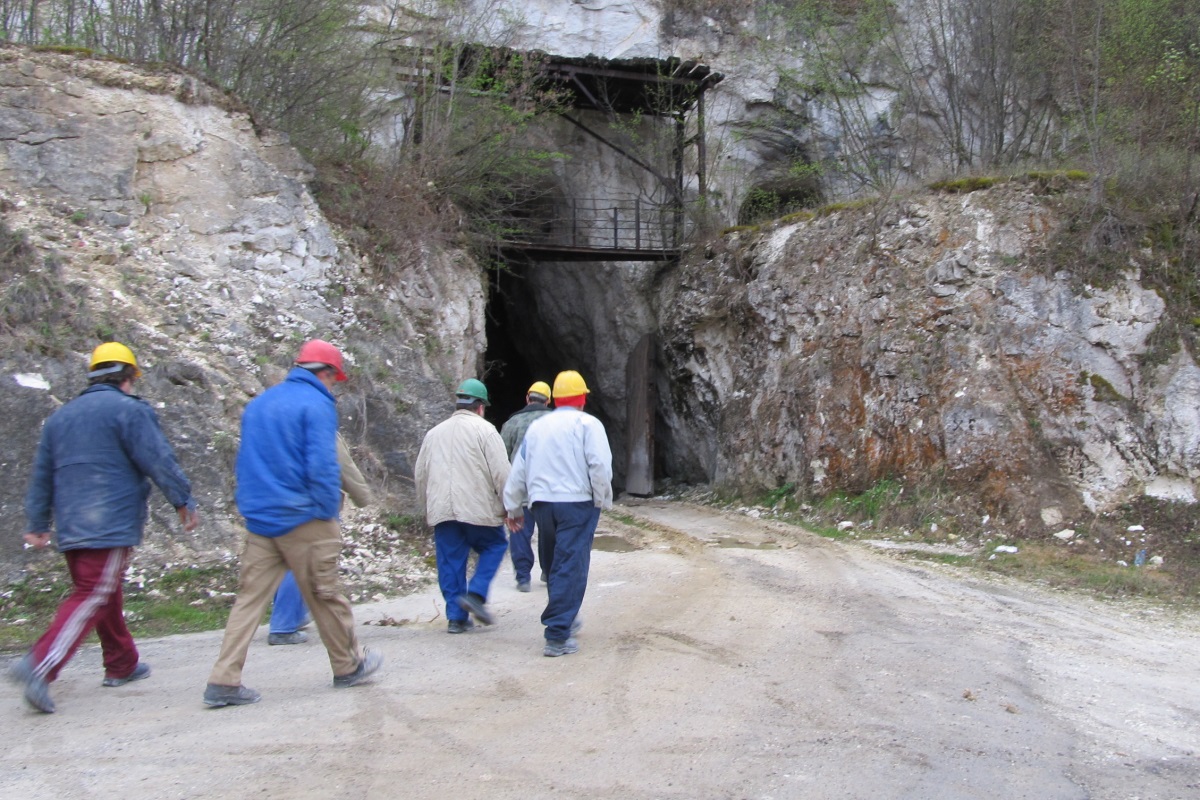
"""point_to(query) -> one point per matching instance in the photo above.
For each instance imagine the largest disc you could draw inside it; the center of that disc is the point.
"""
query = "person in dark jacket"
(91, 479)
(513, 433)
(289, 490)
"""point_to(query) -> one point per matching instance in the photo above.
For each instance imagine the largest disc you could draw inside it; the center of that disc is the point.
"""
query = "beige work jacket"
(461, 470)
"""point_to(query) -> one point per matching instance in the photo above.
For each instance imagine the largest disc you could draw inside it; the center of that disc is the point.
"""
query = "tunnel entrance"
(525, 344)
(510, 368)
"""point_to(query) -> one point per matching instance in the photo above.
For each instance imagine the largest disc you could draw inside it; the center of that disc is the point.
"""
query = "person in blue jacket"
(289, 491)
(91, 477)
(288, 612)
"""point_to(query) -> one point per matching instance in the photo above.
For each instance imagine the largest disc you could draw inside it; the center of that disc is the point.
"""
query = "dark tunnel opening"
(508, 371)
(521, 350)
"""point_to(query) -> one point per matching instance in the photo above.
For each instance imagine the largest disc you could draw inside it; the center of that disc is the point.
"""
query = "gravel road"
(721, 657)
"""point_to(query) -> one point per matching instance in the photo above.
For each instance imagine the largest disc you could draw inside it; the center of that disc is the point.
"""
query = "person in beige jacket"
(460, 475)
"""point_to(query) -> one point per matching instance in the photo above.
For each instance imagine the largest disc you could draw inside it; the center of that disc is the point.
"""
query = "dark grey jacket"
(514, 429)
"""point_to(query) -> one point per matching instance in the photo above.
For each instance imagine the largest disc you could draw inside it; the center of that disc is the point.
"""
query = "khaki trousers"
(311, 552)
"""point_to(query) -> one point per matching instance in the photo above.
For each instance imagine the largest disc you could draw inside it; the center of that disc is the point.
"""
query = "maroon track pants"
(97, 603)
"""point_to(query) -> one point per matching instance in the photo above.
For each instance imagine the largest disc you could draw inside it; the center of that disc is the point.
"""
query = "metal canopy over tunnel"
(590, 229)
(595, 228)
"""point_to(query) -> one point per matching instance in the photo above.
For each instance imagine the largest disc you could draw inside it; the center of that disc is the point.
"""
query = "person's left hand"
(37, 540)
(514, 523)
(188, 518)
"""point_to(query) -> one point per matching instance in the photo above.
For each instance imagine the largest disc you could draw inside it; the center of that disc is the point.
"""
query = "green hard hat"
(473, 388)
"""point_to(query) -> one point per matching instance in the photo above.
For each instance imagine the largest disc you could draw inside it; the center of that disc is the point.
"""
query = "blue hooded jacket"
(92, 472)
(287, 466)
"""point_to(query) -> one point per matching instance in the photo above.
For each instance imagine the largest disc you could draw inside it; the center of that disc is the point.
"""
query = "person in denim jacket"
(91, 479)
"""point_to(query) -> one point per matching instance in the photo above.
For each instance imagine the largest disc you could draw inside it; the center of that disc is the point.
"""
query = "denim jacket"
(93, 468)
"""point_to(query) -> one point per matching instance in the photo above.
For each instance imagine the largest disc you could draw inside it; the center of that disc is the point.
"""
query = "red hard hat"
(321, 352)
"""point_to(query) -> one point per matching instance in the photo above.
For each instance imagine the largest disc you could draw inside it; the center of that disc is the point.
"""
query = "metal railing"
(603, 224)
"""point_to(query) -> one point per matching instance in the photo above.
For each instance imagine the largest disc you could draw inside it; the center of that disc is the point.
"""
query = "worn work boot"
(369, 663)
(216, 695)
(459, 626)
(295, 637)
(37, 690)
(142, 670)
(474, 604)
(559, 647)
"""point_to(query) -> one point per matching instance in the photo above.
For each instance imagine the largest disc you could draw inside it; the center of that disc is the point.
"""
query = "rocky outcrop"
(918, 341)
(150, 210)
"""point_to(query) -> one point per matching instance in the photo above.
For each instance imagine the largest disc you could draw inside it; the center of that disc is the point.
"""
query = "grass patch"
(828, 531)
(965, 185)
(629, 519)
(1063, 569)
(181, 601)
(950, 559)
(1098, 561)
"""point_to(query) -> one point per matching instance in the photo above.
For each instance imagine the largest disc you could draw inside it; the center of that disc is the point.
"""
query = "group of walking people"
(549, 469)
(99, 453)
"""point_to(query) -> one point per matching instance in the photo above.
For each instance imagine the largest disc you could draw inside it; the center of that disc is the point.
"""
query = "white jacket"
(564, 458)
(461, 470)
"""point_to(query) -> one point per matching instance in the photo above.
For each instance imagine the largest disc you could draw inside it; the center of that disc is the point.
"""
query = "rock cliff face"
(921, 343)
(149, 209)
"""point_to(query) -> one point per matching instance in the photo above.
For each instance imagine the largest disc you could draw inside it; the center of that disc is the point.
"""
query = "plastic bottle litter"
(1139, 558)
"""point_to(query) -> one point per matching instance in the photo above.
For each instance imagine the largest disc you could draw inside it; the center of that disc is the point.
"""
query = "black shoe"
(295, 637)
(369, 663)
(459, 626)
(544, 576)
(475, 605)
(217, 696)
(142, 670)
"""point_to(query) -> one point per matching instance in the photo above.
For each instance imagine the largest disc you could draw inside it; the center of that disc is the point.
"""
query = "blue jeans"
(288, 611)
(454, 542)
(565, 533)
(520, 547)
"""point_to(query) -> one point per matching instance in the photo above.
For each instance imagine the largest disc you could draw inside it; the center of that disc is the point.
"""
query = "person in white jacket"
(563, 472)
(460, 475)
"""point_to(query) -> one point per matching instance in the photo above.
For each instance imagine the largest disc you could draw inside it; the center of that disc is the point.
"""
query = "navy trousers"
(520, 547)
(288, 612)
(565, 533)
(454, 542)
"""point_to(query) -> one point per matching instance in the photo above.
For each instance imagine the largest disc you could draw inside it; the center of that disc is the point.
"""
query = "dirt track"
(733, 669)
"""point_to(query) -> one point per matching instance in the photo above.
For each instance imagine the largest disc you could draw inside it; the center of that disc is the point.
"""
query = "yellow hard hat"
(114, 352)
(540, 387)
(569, 384)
